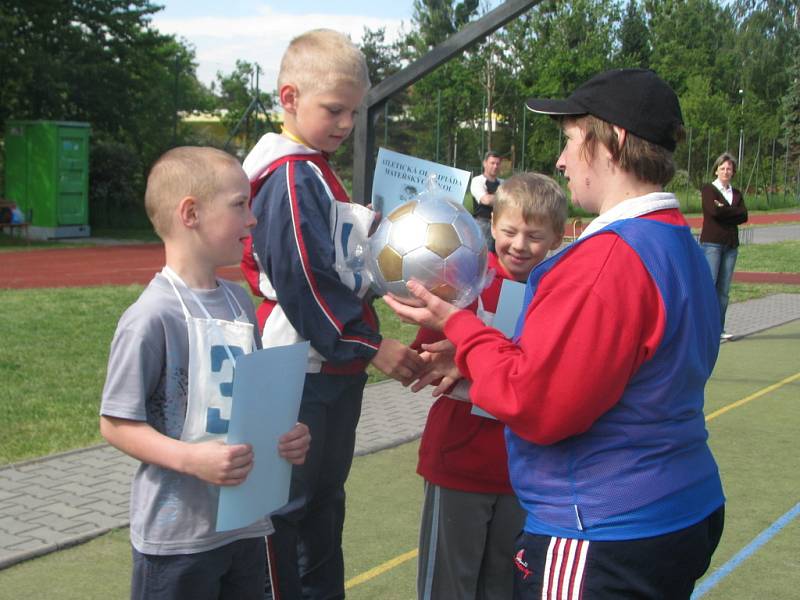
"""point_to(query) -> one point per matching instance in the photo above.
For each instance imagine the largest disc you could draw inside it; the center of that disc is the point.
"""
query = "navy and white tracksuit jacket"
(306, 226)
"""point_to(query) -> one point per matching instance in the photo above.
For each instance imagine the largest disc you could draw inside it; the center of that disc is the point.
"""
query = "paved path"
(58, 501)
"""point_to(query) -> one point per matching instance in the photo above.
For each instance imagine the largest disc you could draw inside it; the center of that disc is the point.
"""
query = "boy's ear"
(288, 96)
(187, 211)
(558, 241)
(622, 134)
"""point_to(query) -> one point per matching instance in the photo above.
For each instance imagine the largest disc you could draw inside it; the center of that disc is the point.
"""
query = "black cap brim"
(545, 106)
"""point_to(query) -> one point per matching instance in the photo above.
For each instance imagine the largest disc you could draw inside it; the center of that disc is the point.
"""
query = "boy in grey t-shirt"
(167, 392)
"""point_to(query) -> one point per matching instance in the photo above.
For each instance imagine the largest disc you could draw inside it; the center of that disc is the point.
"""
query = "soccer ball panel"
(470, 233)
(402, 210)
(391, 264)
(442, 239)
(462, 268)
(407, 234)
(445, 292)
(441, 211)
(423, 265)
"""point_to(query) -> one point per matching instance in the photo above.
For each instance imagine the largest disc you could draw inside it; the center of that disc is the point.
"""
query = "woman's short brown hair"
(723, 158)
(645, 160)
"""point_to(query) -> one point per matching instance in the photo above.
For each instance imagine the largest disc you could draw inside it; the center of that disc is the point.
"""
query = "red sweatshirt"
(460, 450)
(595, 318)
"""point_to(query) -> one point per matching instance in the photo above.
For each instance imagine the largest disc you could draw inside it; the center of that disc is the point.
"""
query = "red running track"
(125, 265)
(81, 267)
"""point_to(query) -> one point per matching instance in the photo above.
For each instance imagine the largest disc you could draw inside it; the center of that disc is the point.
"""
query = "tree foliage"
(733, 63)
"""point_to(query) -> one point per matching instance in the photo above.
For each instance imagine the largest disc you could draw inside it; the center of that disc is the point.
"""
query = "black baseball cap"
(637, 100)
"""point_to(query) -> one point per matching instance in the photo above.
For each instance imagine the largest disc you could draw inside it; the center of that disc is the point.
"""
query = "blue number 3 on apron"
(214, 345)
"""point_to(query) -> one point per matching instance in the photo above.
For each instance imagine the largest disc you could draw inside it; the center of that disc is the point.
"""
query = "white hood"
(270, 148)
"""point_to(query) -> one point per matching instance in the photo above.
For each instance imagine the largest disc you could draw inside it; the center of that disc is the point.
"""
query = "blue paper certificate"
(509, 305)
(267, 387)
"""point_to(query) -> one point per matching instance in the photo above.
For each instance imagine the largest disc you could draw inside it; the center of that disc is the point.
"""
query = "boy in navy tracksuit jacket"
(305, 223)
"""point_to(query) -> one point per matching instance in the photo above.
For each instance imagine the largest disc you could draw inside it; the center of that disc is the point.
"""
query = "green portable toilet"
(47, 175)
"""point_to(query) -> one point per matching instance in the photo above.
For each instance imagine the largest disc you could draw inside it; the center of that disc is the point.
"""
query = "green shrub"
(116, 187)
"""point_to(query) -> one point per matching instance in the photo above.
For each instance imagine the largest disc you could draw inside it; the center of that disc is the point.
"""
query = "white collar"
(718, 184)
(270, 148)
(632, 207)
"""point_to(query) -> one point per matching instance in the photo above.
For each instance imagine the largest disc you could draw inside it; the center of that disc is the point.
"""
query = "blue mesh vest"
(644, 468)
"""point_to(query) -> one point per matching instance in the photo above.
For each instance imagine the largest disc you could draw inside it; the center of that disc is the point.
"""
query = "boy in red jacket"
(470, 516)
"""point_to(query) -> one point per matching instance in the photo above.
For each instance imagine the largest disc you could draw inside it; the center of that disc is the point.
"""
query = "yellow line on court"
(398, 560)
(758, 394)
(380, 569)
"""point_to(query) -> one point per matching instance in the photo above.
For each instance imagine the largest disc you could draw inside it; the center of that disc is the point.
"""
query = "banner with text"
(399, 178)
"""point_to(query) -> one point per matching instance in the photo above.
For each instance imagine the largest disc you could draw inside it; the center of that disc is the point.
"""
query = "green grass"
(53, 364)
(754, 445)
(144, 234)
(740, 292)
(17, 244)
(55, 346)
(690, 201)
(780, 257)
(383, 505)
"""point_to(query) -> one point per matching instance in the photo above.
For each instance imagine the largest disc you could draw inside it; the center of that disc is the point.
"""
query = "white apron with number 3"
(214, 345)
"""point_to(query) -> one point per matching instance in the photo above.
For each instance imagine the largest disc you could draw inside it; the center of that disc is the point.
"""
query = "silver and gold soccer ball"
(434, 241)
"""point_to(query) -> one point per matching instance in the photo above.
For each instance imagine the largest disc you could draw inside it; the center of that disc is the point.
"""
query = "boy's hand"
(293, 446)
(219, 463)
(398, 361)
(441, 369)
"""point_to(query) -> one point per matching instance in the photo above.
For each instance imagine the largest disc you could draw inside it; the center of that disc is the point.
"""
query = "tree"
(237, 91)
(634, 38)
(692, 37)
(440, 101)
(551, 50)
(97, 61)
(791, 110)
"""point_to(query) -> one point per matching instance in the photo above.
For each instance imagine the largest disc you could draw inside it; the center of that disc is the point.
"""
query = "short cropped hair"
(178, 173)
(320, 59)
(538, 196)
(722, 158)
(645, 160)
(491, 154)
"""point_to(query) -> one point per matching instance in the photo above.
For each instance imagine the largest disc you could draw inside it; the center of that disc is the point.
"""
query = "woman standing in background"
(723, 212)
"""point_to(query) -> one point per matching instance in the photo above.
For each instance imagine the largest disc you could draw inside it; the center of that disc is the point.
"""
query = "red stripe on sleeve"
(303, 252)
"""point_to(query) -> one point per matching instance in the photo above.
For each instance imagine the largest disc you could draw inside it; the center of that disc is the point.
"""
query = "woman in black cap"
(602, 387)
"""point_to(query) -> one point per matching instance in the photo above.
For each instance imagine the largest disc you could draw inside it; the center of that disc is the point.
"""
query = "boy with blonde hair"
(470, 515)
(163, 401)
(306, 223)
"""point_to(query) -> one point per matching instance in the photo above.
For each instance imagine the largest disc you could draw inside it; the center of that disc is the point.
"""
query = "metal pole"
(708, 156)
(772, 169)
(741, 132)
(786, 169)
(257, 127)
(386, 125)
(689, 169)
(483, 126)
(472, 33)
(558, 150)
(438, 118)
(175, 116)
(524, 139)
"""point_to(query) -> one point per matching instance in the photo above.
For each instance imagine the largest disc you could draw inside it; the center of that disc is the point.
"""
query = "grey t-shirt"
(170, 513)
